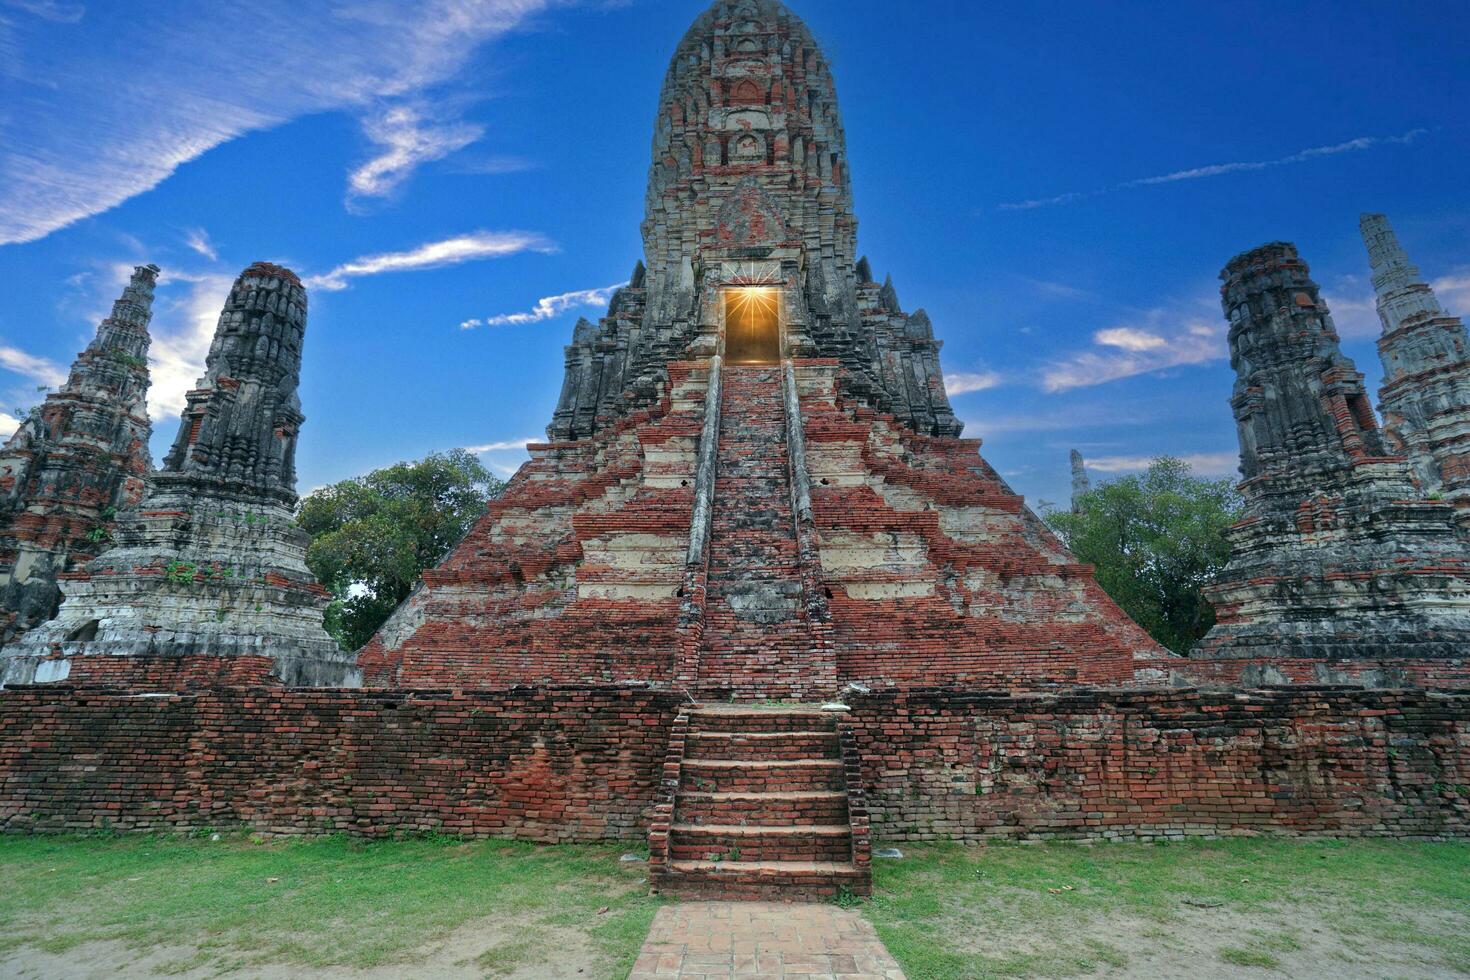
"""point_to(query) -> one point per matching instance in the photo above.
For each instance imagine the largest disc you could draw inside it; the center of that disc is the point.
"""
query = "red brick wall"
(944, 763)
(551, 764)
(582, 763)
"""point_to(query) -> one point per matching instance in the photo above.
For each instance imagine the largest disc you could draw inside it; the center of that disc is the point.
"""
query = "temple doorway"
(752, 325)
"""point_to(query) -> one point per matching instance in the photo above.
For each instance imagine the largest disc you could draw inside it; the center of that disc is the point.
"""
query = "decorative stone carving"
(208, 575)
(75, 461)
(1425, 397)
(1338, 555)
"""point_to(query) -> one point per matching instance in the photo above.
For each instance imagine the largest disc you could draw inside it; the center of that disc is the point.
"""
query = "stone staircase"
(761, 803)
(756, 640)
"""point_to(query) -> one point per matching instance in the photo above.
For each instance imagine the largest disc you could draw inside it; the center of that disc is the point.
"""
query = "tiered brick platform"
(761, 803)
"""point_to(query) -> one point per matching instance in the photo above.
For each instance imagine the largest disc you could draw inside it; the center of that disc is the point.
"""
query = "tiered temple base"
(761, 803)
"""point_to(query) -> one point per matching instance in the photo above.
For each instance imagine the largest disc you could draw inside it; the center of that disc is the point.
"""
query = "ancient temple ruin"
(1425, 397)
(75, 461)
(754, 492)
(207, 575)
(1340, 561)
(755, 486)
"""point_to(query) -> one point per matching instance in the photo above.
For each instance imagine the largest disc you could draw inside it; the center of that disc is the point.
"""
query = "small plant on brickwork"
(845, 898)
(179, 572)
(98, 535)
(130, 360)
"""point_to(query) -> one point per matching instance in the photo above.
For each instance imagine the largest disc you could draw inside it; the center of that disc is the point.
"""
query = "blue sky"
(1058, 184)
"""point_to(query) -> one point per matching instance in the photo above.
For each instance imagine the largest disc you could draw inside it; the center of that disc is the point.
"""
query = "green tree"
(373, 535)
(1157, 540)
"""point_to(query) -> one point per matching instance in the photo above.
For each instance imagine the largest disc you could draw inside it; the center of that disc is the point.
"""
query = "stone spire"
(240, 425)
(750, 186)
(1081, 485)
(208, 578)
(1338, 555)
(1425, 397)
(75, 460)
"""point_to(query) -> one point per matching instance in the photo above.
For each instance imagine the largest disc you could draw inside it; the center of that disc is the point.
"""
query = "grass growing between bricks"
(1349, 908)
(242, 902)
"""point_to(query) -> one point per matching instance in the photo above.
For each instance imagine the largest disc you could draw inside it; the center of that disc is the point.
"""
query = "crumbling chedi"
(1339, 557)
(1425, 397)
(75, 460)
(208, 575)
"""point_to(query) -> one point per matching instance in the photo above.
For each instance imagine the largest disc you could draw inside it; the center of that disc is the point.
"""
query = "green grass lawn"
(1321, 908)
(490, 908)
(323, 902)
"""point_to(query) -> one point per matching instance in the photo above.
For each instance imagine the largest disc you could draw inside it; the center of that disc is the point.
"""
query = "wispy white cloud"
(407, 137)
(964, 382)
(505, 456)
(8, 424)
(433, 255)
(1453, 292)
(88, 123)
(1204, 464)
(1354, 312)
(39, 369)
(1130, 339)
(1165, 339)
(56, 11)
(506, 445)
(547, 307)
(184, 320)
(1219, 169)
(1061, 289)
(198, 240)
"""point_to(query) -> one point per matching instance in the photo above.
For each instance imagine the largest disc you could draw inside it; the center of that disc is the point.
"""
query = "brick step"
(761, 720)
(761, 745)
(767, 809)
(763, 777)
(764, 879)
(716, 842)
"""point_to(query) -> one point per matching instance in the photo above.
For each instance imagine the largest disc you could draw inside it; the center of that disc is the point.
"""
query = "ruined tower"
(1339, 557)
(75, 461)
(1081, 485)
(207, 578)
(1425, 397)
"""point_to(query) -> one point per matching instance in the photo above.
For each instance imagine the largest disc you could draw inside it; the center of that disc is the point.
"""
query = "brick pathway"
(755, 940)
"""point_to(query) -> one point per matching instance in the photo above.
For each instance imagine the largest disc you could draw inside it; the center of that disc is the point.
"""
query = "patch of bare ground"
(518, 949)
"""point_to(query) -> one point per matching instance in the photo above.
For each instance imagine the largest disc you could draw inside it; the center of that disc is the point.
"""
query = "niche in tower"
(752, 325)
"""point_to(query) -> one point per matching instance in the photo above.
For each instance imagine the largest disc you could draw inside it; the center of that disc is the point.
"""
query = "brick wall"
(583, 763)
(550, 764)
(945, 763)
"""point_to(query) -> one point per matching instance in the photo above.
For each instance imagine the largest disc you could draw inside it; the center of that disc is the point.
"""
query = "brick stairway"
(758, 805)
(756, 639)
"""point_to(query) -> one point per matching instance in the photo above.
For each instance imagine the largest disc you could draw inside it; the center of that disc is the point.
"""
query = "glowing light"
(752, 325)
(754, 302)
